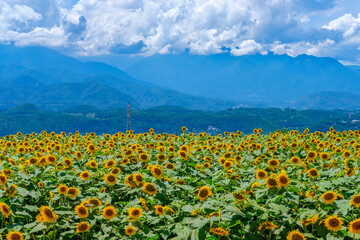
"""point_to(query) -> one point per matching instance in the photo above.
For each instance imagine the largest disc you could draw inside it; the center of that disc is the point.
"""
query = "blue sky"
(145, 27)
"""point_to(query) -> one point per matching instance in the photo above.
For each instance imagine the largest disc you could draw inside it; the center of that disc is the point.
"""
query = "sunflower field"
(283, 185)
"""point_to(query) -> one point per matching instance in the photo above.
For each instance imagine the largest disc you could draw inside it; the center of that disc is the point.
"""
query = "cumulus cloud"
(167, 26)
(247, 47)
(349, 26)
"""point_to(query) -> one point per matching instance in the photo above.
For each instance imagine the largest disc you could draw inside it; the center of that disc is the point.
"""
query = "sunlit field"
(283, 185)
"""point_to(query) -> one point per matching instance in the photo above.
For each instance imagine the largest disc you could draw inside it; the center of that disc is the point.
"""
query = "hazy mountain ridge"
(271, 78)
(251, 80)
(46, 67)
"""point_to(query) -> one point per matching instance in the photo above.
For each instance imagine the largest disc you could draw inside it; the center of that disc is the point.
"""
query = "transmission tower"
(128, 124)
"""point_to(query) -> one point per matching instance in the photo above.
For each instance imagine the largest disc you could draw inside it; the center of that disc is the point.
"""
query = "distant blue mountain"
(44, 77)
(274, 79)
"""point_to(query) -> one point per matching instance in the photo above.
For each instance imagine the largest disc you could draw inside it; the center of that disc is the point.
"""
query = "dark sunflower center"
(283, 179)
(357, 199)
(135, 212)
(72, 191)
(82, 227)
(329, 196)
(15, 236)
(203, 193)
(48, 213)
(157, 171)
(111, 178)
(5, 209)
(109, 212)
(313, 172)
(356, 225)
(273, 163)
(297, 236)
(82, 211)
(272, 182)
(150, 188)
(334, 222)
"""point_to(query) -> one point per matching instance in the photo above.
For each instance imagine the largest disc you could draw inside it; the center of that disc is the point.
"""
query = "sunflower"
(273, 163)
(115, 171)
(333, 223)
(219, 231)
(354, 226)
(93, 203)
(203, 193)
(91, 148)
(72, 192)
(159, 210)
(267, 225)
(111, 179)
(170, 166)
(161, 157)
(5, 210)
(169, 210)
(324, 156)
(109, 212)
(139, 179)
(311, 155)
(228, 164)
(3, 180)
(143, 157)
(14, 235)
(135, 213)
(182, 154)
(311, 220)
(143, 203)
(313, 172)
(261, 174)
(355, 200)
(283, 179)
(51, 159)
(93, 164)
(81, 211)
(111, 163)
(78, 154)
(85, 175)
(62, 189)
(329, 197)
(150, 188)
(68, 162)
(272, 182)
(48, 214)
(130, 230)
(156, 171)
(82, 227)
(295, 160)
(295, 235)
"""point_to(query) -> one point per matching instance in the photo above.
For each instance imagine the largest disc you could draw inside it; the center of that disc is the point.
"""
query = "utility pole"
(128, 124)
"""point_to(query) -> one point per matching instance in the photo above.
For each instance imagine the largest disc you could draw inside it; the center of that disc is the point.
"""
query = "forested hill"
(29, 118)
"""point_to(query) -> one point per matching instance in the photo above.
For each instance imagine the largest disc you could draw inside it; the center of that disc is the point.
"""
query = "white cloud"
(349, 26)
(295, 49)
(246, 47)
(10, 15)
(93, 27)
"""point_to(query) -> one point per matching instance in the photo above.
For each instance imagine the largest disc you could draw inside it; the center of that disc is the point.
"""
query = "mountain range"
(53, 81)
(272, 79)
